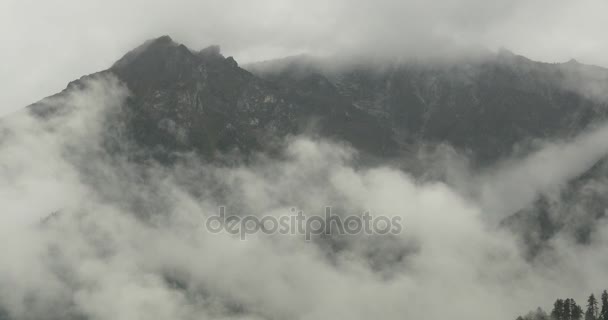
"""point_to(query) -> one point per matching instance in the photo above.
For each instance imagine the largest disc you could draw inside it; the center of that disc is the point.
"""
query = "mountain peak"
(163, 39)
(163, 48)
(573, 62)
(157, 44)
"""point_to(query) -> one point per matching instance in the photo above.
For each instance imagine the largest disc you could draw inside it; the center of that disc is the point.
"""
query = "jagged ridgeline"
(186, 100)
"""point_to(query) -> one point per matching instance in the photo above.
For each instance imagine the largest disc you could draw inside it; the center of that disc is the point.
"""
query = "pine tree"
(572, 311)
(558, 310)
(567, 309)
(592, 309)
(604, 312)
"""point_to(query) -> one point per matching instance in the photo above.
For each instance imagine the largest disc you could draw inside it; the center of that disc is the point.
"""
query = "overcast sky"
(47, 43)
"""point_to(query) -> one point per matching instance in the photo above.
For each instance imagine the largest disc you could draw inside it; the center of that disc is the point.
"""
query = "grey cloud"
(48, 43)
(515, 183)
(128, 242)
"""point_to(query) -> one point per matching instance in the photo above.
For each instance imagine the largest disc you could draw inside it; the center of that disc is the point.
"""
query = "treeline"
(568, 309)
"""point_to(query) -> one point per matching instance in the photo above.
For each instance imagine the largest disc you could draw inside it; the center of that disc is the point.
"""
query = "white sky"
(47, 43)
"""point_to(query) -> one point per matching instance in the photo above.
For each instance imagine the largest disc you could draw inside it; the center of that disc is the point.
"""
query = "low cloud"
(87, 233)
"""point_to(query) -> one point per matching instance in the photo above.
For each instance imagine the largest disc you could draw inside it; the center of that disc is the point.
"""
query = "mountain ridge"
(514, 99)
(202, 103)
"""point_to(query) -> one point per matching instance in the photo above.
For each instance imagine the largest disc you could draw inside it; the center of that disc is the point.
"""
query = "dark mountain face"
(186, 101)
(202, 102)
(490, 109)
(487, 107)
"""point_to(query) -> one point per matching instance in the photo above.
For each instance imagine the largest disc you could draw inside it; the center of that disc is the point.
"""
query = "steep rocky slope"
(184, 100)
(487, 106)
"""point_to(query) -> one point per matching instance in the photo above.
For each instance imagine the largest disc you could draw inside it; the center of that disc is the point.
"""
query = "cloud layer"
(49, 43)
(87, 233)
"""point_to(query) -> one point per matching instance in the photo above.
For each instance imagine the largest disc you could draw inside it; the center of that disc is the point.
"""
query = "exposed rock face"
(187, 101)
(487, 107)
(201, 101)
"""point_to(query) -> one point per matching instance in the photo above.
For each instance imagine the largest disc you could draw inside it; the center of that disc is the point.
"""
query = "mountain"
(171, 150)
(489, 108)
(573, 209)
(186, 100)
(201, 101)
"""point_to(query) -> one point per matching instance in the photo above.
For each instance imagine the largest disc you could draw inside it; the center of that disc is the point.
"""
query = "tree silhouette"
(558, 310)
(604, 312)
(567, 314)
(576, 312)
(568, 309)
(592, 309)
